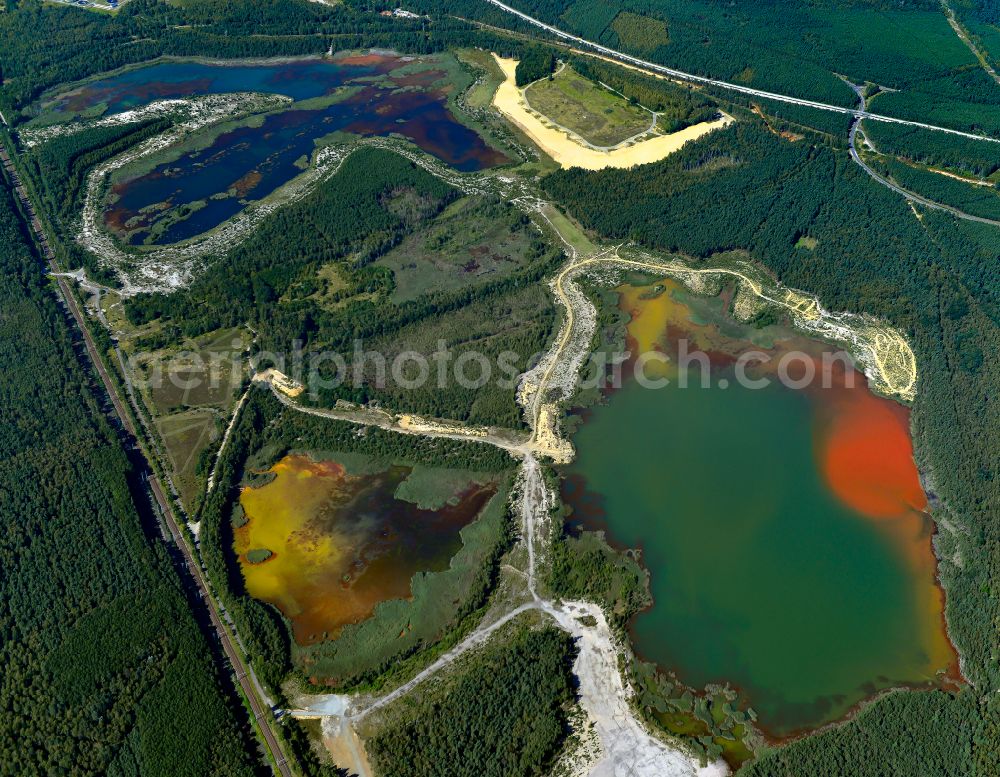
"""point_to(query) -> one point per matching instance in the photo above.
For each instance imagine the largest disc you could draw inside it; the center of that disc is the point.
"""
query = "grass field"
(596, 114)
(431, 488)
(189, 390)
(642, 33)
(473, 241)
(186, 434)
(197, 373)
(480, 94)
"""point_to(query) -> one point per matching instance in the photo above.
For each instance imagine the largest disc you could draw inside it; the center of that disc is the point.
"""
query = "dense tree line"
(793, 118)
(105, 670)
(506, 715)
(536, 63)
(926, 732)
(56, 172)
(88, 43)
(306, 432)
(935, 148)
(346, 215)
(261, 627)
(977, 200)
(352, 219)
(60, 166)
(264, 425)
(794, 48)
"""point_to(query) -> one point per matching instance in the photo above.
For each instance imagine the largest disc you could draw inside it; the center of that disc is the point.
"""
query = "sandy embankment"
(509, 100)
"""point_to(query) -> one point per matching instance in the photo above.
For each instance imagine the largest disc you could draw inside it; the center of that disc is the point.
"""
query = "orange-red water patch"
(363, 59)
(867, 456)
(863, 448)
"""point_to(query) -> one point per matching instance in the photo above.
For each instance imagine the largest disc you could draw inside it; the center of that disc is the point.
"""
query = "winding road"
(628, 749)
(860, 113)
(909, 195)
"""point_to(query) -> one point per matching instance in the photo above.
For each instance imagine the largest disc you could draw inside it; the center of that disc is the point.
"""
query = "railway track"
(261, 713)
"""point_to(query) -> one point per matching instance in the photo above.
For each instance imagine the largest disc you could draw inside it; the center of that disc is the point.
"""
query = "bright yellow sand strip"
(567, 152)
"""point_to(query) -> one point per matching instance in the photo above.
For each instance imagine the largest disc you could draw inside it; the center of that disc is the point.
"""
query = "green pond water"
(761, 577)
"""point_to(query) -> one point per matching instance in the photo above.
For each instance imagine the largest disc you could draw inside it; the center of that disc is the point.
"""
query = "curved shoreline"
(947, 678)
(559, 370)
(72, 86)
(567, 151)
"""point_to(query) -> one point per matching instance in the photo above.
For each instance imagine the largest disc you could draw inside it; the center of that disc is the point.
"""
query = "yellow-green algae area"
(785, 530)
(340, 543)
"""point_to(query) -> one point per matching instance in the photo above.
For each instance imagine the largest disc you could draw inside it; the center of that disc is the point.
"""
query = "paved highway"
(261, 714)
(911, 196)
(682, 76)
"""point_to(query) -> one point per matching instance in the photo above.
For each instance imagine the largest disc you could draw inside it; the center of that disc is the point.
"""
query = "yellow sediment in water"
(650, 313)
(567, 152)
(337, 544)
(307, 562)
(653, 311)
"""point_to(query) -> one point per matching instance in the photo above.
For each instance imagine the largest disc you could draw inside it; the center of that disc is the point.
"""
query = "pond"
(188, 192)
(784, 529)
(325, 546)
(136, 87)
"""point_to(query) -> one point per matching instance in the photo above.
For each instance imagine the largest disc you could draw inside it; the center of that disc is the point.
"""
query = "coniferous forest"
(110, 666)
(106, 670)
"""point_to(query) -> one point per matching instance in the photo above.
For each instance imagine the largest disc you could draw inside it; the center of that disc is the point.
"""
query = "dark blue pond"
(199, 190)
(299, 80)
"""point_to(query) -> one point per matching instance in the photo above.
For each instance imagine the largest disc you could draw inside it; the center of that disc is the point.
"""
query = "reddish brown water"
(867, 456)
(783, 529)
(340, 544)
(200, 189)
